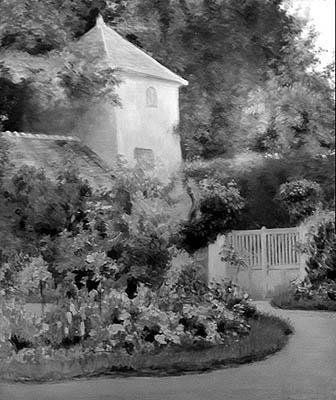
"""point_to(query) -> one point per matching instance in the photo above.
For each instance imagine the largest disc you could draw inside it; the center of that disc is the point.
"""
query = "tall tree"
(249, 69)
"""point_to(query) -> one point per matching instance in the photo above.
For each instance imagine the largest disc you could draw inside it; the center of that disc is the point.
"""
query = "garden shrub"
(4, 158)
(45, 207)
(17, 329)
(321, 264)
(82, 235)
(301, 197)
(318, 289)
(258, 179)
(127, 246)
(216, 213)
(302, 295)
(319, 247)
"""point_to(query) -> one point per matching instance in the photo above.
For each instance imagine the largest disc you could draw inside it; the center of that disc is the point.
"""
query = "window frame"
(145, 163)
(151, 97)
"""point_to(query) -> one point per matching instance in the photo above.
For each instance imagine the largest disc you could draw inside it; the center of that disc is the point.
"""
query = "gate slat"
(280, 254)
(282, 245)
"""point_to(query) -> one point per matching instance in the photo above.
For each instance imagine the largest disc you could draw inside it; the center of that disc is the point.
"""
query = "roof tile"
(51, 152)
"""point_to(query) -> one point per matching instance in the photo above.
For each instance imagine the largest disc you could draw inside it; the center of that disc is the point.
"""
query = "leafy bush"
(40, 206)
(114, 321)
(321, 264)
(318, 289)
(125, 237)
(302, 296)
(4, 157)
(185, 311)
(123, 233)
(301, 197)
(217, 213)
(17, 329)
(258, 179)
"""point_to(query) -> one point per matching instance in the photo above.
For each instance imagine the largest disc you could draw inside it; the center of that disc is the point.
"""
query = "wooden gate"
(271, 257)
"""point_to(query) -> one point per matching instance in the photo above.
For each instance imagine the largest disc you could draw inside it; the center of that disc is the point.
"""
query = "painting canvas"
(167, 200)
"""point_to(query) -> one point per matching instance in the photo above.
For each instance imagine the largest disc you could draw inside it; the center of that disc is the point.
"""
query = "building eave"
(178, 81)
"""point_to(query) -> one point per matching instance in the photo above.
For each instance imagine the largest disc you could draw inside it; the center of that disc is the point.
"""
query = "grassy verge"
(285, 299)
(268, 334)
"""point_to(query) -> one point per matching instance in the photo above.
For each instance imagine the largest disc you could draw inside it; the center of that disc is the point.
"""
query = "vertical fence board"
(278, 248)
(267, 253)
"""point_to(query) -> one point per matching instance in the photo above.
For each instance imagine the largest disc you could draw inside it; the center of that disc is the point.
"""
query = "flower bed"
(268, 334)
(193, 328)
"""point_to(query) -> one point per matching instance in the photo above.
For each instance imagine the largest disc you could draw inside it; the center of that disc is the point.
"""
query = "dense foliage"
(126, 234)
(35, 206)
(317, 291)
(108, 260)
(216, 213)
(252, 81)
(77, 232)
(321, 264)
(259, 178)
(301, 198)
(179, 315)
(302, 296)
(112, 258)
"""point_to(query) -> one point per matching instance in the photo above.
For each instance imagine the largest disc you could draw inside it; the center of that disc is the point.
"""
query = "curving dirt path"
(304, 370)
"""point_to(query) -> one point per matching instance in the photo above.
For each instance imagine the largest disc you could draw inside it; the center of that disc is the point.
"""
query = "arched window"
(151, 97)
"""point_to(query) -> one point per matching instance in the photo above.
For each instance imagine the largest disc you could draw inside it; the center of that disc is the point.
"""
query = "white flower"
(73, 309)
(69, 316)
(82, 328)
(115, 328)
(90, 258)
(160, 339)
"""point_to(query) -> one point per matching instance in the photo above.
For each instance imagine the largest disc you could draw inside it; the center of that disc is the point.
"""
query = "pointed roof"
(104, 42)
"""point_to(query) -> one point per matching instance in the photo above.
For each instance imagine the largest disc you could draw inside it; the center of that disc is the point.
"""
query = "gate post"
(303, 257)
(264, 261)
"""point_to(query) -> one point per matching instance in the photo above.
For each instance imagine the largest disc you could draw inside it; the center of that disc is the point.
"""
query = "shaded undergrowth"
(286, 299)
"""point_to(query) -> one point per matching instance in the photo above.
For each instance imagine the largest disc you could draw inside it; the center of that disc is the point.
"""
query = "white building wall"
(148, 127)
(97, 129)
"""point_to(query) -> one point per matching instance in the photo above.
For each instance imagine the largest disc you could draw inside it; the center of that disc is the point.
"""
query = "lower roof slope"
(52, 153)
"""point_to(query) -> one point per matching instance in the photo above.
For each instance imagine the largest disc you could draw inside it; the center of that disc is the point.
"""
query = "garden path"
(304, 370)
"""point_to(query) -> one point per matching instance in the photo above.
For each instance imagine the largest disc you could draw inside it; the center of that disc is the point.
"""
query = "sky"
(321, 14)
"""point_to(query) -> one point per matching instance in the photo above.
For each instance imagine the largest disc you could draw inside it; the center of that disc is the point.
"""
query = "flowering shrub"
(125, 237)
(109, 259)
(301, 197)
(116, 322)
(216, 213)
(43, 206)
(122, 233)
